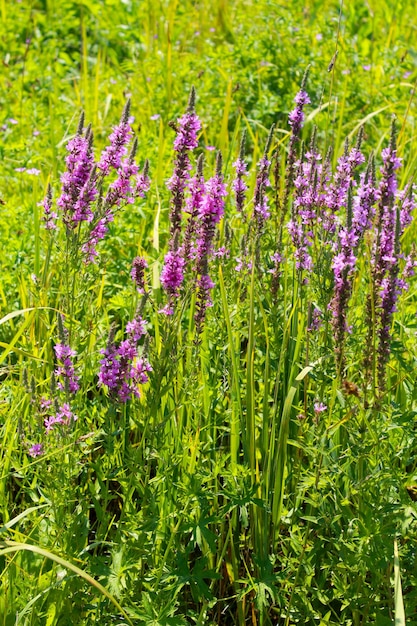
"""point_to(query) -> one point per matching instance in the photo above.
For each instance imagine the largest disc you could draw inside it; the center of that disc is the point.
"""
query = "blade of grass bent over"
(13, 546)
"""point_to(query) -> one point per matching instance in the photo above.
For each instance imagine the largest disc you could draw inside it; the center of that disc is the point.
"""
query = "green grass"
(219, 497)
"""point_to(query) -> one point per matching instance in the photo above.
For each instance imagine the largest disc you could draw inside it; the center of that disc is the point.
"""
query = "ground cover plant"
(208, 321)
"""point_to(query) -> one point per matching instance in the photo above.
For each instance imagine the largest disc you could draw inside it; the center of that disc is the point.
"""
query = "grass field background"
(225, 494)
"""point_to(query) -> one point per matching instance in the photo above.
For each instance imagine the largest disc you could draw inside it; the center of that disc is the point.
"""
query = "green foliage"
(220, 496)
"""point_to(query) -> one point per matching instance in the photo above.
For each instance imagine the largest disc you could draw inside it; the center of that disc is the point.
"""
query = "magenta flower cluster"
(119, 139)
(122, 368)
(82, 200)
(65, 370)
(203, 204)
(189, 126)
(172, 274)
(56, 410)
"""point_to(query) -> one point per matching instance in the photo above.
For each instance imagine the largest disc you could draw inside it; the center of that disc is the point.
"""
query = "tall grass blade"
(7, 547)
(398, 594)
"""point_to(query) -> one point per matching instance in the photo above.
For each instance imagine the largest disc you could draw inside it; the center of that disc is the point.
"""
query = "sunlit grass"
(221, 496)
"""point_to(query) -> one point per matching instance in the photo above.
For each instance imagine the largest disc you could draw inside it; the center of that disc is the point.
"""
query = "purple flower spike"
(143, 181)
(119, 138)
(137, 274)
(239, 186)
(386, 283)
(49, 216)
(295, 120)
(122, 370)
(82, 211)
(194, 203)
(122, 190)
(210, 213)
(363, 211)
(135, 329)
(336, 193)
(97, 234)
(260, 202)
(80, 162)
(64, 415)
(189, 126)
(296, 116)
(65, 369)
(186, 140)
(109, 367)
(172, 274)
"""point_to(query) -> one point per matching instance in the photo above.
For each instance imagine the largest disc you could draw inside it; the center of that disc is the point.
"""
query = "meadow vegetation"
(208, 313)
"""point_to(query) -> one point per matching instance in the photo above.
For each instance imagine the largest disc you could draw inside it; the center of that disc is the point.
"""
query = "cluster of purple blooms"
(340, 211)
(393, 213)
(65, 370)
(204, 206)
(63, 415)
(378, 211)
(65, 380)
(82, 200)
(64, 385)
(186, 140)
(122, 369)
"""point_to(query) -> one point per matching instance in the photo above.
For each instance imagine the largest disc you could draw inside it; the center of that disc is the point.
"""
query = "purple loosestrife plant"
(172, 274)
(82, 208)
(364, 200)
(79, 162)
(384, 267)
(97, 233)
(49, 216)
(336, 193)
(211, 212)
(295, 120)
(65, 369)
(64, 415)
(390, 289)
(143, 182)
(194, 202)
(36, 450)
(122, 369)
(239, 186)
(187, 129)
(82, 199)
(137, 274)
(304, 208)
(360, 212)
(68, 381)
(260, 202)
(343, 265)
(122, 189)
(67, 384)
(119, 140)
(393, 282)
